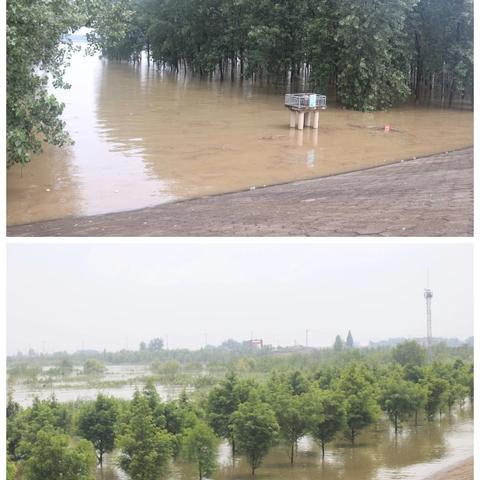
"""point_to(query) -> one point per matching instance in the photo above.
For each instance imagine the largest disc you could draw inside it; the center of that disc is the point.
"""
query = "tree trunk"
(353, 436)
(220, 64)
(396, 424)
(452, 91)
(242, 63)
(418, 82)
(323, 450)
(232, 67)
(292, 453)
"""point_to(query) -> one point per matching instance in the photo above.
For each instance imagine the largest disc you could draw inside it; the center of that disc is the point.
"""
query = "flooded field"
(143, 137)
(24, 394)
(415, 454)
(119, 381)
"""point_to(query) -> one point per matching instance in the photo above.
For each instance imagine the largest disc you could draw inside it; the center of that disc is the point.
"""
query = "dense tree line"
(324, 403)
(370, 55)
(181, 364)
(373, 54)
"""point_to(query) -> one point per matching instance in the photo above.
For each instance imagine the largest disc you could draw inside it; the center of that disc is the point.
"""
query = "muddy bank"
(460, 471)
(429, 196)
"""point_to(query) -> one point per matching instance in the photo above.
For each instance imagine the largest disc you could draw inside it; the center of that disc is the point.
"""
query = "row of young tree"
(371, 54)
(53, 440)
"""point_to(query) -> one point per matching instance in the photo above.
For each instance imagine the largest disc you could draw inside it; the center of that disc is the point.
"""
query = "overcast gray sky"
(63, 297)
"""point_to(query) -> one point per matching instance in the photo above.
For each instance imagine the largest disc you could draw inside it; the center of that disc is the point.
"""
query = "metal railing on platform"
(305, 100)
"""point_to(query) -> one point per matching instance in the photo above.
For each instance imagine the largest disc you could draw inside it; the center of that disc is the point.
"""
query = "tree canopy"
(37, 50)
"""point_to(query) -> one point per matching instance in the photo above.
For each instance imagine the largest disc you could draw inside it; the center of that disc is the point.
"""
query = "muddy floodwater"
(144, 137)
(71, 392)
(415, 454)
(129, 377)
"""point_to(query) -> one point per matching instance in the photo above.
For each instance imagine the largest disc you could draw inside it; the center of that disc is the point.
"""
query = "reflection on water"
(143, 137)
(415, 454)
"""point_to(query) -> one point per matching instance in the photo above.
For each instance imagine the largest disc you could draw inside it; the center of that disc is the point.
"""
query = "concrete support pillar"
(316, 118)
(301, 117)
(300, 139)
(293, 117)
(308, 117)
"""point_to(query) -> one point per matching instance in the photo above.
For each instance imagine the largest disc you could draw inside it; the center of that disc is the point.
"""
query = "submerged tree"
(326, 415)
(361, 406)
(223, 401)
(399, 400)
(145, 449)
(52, 456)
(97, 423)
(373, 53)
(255, 428)
(291, 414)
(200, 446)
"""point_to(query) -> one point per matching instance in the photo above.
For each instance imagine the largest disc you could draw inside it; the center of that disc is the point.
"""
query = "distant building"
(256, 343)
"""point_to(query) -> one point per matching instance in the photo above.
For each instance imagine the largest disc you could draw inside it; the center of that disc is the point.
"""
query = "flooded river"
(143, 137)
(415, 454)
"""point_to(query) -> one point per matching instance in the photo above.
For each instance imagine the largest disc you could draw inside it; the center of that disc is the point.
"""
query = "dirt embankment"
(461, 471)
(429, 196)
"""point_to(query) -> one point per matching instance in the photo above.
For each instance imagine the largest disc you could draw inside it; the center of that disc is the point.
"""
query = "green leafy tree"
(92, 366)
(326, 415)
(37, 50)
(11, 470)
(442, 35)
(53, 457)
(255, 428)
(418, 398)
(223, 401)
(436, 389)
(200, 446)
(409, 353)
(97, 423)
(25, 426)
(292, 418)
(373, 52)
(360, 395)
(145, 449)
(398, 400)
(155, 345)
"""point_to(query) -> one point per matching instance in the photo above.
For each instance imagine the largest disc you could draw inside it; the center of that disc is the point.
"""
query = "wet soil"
(429, 196)
(461, 471)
